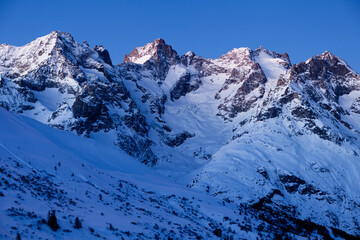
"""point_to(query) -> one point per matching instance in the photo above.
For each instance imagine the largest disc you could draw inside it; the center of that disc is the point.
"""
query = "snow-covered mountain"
(73, 87)
(249, 130)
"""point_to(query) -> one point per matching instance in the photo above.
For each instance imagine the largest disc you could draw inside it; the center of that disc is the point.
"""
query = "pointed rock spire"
(286, 57)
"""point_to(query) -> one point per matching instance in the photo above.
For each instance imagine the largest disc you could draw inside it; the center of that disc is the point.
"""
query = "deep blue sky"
(209, 28)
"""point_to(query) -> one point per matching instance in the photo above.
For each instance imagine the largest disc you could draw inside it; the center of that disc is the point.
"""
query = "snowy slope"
(44, 169)
(48, 169)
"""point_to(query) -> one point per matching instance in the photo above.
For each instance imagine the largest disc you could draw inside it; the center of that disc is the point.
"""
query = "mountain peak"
(327, 54)
(159, 41)
(336, 62)
(235, 57)
(157, 50)
(58, 35)
(318, 66)
(190, 54)
(329, 58)
(48, 42)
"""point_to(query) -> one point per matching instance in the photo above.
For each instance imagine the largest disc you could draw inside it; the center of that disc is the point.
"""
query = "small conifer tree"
(18, 236)
(77, 224)
(52, 221)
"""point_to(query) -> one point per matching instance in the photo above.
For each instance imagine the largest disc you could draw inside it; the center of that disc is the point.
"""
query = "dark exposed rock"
(295, 184)
(263, 172)
(87, 105)
(303, 113)
(272, 112)
(137, 122)
(183, 86)
(291, 182)
(355, 107)
(309, 189)
(288, 98)
(261, 204)
(321, 132)
(178, 139)
(138, 148)
(103, 54)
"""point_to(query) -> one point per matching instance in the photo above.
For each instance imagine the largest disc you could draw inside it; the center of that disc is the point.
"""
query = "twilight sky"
(207, 27)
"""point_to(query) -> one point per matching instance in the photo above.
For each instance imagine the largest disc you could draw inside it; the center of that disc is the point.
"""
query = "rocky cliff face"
(248, 127)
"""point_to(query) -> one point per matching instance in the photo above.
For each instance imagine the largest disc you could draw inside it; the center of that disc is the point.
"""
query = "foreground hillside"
(44, 170)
